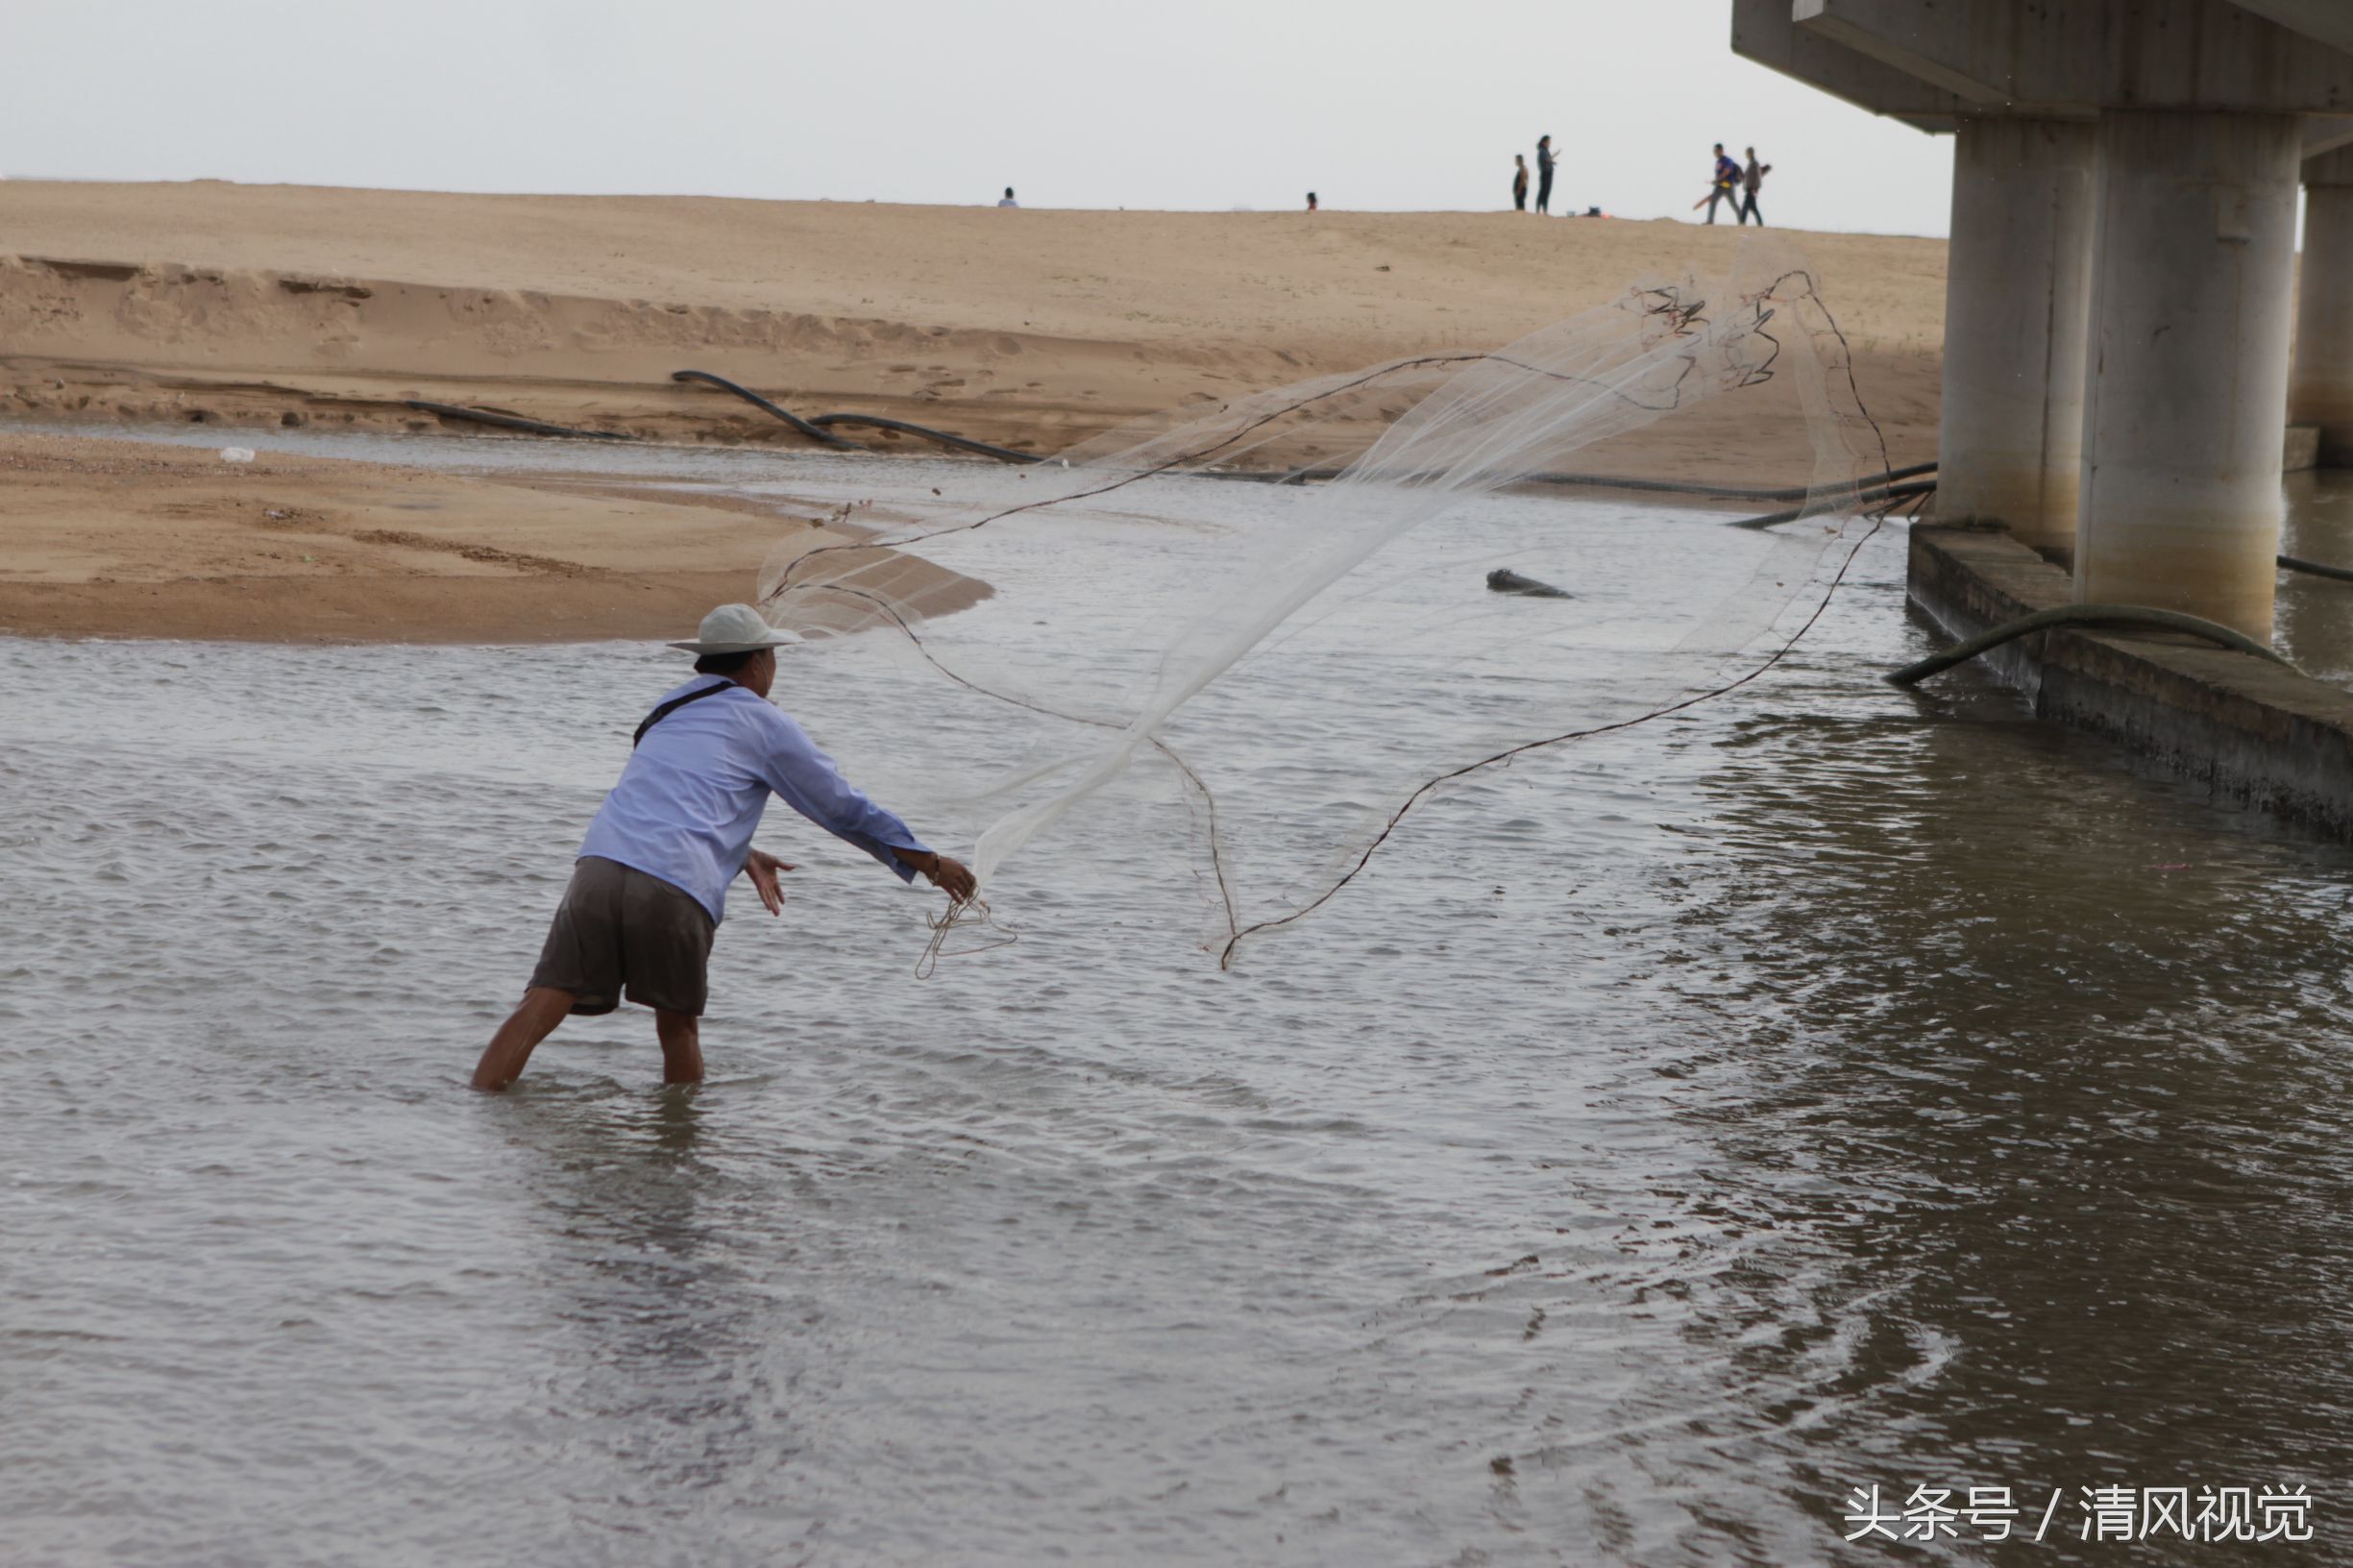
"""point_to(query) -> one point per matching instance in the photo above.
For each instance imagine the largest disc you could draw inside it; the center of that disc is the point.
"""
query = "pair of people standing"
(1737, 184)
(1544, 178)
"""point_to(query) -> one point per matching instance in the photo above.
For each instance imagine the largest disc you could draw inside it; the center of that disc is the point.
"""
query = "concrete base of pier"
(2302, 450)
(2253, 733)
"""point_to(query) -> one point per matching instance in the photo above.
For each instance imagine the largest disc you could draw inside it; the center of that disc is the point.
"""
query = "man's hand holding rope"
(946, 874)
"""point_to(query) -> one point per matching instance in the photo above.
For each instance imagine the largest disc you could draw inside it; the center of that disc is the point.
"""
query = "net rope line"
(1504, 758)
(977, 909)
(1236, 932)
(1681, 318)
(973, 911)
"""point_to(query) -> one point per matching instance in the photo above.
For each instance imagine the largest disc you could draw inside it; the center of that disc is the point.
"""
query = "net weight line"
(1504, 758)
(1681, 316)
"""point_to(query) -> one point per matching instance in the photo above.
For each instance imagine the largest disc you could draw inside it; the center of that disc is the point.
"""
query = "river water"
(1827, 1087)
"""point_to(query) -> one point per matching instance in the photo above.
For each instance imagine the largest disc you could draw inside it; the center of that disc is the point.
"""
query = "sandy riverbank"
(217, 304)
(124, 538)
(211, 301)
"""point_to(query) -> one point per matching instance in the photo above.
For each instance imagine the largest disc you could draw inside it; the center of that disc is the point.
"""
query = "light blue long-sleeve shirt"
(691, 797)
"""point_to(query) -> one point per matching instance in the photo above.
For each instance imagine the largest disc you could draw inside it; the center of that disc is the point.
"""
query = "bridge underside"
(2119, 330)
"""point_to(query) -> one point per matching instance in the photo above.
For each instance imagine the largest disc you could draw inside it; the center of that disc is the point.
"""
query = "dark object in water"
(1503, 580)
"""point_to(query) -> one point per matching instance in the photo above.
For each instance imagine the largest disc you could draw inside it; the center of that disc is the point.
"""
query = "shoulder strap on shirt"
(674, 705)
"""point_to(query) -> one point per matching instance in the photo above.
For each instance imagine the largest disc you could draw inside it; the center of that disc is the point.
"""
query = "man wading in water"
(651, 885)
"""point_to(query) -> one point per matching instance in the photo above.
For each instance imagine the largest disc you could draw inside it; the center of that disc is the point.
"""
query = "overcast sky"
(1205, 104)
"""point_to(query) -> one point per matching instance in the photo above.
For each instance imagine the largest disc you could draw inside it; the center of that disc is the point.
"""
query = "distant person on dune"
(1009, 201)
(1751, 178)
(1544, 173)
(649, 887)
(1519, 183)
(1311, 201)
(1723, 186)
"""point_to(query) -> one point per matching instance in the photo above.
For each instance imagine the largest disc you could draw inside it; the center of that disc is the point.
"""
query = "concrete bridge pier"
(2205, 110)
(2321, 387)
(2017, 312)
(2186, 405)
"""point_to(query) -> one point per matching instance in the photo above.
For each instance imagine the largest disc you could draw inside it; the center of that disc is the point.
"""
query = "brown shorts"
(619, 933)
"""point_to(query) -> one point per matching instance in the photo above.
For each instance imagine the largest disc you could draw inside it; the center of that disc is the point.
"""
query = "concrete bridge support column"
(2016, 311)
(2185, 416)
(2321, 389)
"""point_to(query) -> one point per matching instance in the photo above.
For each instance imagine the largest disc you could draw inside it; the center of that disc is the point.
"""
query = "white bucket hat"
(736, 629)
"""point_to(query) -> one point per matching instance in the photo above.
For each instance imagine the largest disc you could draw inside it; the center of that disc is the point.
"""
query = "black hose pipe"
(512, 422)
(1603, 481)
(816, 429)
(1289, 476)
(2317, 569)
(962, 443)
(1871, 497)
(2136, 616)
(1731, 492)
(813, 431)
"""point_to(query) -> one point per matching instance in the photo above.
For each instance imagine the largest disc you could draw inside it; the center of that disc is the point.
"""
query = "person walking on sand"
(1009, 201)
(1723, 186)
(1519, 183)
(1544, 173)
(1311, 201)
(1751, 178)
(651, 885)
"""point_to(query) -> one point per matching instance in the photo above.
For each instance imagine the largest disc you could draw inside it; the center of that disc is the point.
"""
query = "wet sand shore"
(140, 539)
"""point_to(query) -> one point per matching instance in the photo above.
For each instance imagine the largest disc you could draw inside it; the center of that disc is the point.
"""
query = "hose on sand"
(512, 422)
(817, 429)
(811, 431)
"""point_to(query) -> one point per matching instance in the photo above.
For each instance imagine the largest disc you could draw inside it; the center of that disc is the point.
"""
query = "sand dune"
(221, 303)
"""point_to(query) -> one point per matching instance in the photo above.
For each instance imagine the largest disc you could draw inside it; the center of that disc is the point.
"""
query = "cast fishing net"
(1298, 668)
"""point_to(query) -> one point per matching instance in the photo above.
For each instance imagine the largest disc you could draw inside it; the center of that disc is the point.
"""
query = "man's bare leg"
(543, 1008)
(681, 1035)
